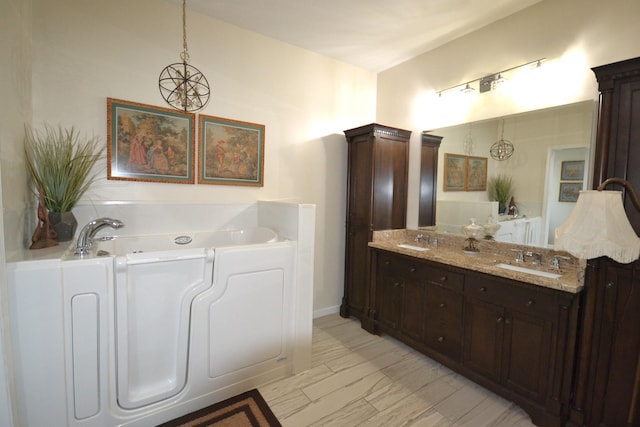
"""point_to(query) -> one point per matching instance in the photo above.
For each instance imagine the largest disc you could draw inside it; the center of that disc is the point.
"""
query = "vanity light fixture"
(183, 86)
(467, 89)
(598, 226)
(491, 81)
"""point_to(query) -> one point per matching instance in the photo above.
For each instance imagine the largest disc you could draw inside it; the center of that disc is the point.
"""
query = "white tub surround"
(151, 332)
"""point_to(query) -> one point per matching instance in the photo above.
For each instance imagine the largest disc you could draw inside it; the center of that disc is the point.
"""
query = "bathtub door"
(244, 323)
(154, 292)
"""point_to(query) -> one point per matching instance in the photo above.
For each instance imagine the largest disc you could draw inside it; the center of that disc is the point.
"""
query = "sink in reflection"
(528, 271)
(413, 247)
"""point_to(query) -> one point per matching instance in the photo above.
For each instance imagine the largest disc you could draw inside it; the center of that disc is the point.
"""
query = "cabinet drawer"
(443, 277)
(512, 295)
(443, 338)
(400, 266)
(444, 306)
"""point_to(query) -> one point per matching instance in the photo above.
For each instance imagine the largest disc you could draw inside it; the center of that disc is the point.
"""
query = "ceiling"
(371, 34)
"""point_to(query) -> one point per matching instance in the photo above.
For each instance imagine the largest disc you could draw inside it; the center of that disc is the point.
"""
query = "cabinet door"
(357, 269)
(483, 332)
(526, 356)
(390, 192)
(360, 181)
(389, 290)
(412, 309)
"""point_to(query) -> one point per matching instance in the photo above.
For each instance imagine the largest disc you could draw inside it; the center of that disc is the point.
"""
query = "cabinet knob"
(499, 319)
(610, 285)
(443, 278)
(396, 284)
(440, 339)
(387, 262)
(442, 305)
(412, 269)
(531, 303)
(483, 289)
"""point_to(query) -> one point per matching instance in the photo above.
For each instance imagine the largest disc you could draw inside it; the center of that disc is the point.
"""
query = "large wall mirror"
(550, 163)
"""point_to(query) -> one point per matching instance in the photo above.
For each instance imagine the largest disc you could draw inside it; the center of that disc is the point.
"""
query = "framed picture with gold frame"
(230, 152)
(455, 172)
(476, 173)
(148, 143)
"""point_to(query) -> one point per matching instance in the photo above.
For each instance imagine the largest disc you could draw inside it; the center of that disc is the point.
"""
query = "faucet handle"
(421, 237)
(555, 262)
(519, 255)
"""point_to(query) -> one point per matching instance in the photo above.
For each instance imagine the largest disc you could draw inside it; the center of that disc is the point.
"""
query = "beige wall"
(15, 111)
(574, 35)
(86, 51)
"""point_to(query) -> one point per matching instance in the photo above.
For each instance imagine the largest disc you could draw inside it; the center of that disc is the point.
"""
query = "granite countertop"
(450, 251)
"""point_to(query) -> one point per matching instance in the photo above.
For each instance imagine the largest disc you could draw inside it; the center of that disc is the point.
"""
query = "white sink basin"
(413, 247)
(529, 271)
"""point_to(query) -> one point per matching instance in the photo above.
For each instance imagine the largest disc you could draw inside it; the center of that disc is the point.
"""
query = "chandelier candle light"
(183, 86)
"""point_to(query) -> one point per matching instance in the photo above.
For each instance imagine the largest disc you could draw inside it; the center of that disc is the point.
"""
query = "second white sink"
(412, 247)
(529, 271)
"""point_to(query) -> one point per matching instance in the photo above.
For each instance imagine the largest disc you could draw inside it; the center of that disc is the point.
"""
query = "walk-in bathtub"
(156, 326)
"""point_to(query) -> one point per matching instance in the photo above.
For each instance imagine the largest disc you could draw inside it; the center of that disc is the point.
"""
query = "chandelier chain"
(185, 49)
(183, 86)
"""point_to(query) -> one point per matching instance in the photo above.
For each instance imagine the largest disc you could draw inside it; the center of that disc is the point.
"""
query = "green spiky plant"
(60, 164)
(500, 188)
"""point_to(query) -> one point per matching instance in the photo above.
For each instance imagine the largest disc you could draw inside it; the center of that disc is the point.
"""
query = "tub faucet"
(88, 232)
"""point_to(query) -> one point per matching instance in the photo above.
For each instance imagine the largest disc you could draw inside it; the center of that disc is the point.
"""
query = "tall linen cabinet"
(378, 160)
(607, 383)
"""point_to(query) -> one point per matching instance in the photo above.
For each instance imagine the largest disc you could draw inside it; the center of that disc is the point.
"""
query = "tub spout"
(88, 232)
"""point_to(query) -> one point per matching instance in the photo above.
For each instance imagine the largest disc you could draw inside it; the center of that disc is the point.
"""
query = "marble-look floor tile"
(360, 379)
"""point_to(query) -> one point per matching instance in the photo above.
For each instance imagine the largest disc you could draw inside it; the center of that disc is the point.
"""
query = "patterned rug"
(244, 410)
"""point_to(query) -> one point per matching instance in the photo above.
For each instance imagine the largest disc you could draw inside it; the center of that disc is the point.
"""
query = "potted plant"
(60, 165)
(500, 188)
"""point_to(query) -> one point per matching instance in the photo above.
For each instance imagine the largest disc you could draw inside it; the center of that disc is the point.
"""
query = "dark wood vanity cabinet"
(419, 304)
(378, 158)
(514, 338)
(513, 333)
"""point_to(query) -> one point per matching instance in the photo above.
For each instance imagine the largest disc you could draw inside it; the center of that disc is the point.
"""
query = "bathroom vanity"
(512, 332)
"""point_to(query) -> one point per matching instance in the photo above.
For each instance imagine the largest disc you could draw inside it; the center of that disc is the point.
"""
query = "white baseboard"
(326, 311)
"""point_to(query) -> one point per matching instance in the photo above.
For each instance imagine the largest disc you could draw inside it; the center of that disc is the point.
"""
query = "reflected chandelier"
(183, 86)
(502, 149)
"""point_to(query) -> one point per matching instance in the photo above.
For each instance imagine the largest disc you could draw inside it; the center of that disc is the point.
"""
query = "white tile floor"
(359, 379)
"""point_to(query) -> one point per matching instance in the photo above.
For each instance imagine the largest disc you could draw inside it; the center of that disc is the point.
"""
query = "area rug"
(248, 409)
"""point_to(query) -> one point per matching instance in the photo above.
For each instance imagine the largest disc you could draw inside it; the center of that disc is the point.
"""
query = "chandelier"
(183, 86)
(502, 149)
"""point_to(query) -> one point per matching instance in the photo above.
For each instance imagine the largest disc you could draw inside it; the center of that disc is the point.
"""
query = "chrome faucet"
(88, 232)
(537, 257)
(422, 238)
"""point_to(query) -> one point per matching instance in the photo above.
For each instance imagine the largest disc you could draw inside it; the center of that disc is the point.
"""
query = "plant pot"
(64, 224)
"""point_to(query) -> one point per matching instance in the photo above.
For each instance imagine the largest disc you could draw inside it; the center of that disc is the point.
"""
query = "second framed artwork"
(231, 152)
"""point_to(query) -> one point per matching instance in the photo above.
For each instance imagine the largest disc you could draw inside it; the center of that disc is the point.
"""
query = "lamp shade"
(598, 226)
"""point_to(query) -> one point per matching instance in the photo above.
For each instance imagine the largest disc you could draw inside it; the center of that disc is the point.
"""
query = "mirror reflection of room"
(549, 164)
